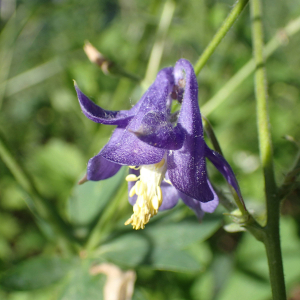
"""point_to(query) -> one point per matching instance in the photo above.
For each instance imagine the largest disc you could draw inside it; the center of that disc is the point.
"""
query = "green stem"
(272, 236)
(43, 207)
(280, 38)
(239, 201)
(233, 15)
(159, 44)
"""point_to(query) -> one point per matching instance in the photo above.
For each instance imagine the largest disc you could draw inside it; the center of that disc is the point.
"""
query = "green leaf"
(172, 259)
(83, 286)
(89, 199)
(128, 250)
(35, 273)
(137, 249)
(183, 233)
(160, 245)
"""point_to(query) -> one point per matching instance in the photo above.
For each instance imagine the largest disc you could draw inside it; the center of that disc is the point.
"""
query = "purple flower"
(166, 152)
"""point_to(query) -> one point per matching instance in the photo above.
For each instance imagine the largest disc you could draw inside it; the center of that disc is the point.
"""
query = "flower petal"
(100, 115)
(187, 166)
(99, 168)
(157, 131)
(128, 149)
(200, 207)
(170, 196)
(224, 168)
(195, 205)
(125, 148)
(211, 205)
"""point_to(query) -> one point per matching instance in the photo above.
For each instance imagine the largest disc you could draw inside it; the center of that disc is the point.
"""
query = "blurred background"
(45, 133)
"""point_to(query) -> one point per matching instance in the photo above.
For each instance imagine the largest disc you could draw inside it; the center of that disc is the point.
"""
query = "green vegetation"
(52, 230)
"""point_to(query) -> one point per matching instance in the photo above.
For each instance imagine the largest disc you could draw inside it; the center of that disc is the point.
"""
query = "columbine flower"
(166, 152)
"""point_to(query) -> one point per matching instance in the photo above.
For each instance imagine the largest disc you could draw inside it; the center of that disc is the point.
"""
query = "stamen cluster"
(149, 193)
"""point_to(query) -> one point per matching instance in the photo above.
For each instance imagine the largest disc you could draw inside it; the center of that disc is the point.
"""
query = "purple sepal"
(201, 207)
(128, 149)
(187, 166)
(210, 206)
(157, 131)
(125, 148)
(195, 205)
(99, 168)
(224, 168)
(100, 115)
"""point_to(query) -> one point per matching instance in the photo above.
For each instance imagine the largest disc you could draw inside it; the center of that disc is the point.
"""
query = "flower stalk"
(233, 15)
(159, 44)
(271, 237)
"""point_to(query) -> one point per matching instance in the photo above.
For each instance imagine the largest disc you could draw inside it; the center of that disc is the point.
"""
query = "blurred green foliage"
(40, 54)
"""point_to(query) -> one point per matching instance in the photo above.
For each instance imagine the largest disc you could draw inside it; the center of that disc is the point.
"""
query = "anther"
(168, 181)
(139, 188)
(155, 202)
(131, 177)
(134, 167)
(160, 164)
(132, 191)
(159, 194)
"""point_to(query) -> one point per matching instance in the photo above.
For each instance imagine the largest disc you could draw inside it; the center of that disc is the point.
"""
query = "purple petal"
(224, 168)
(195, 205)
(170, 196)
(125, 148)
(100, 115)
(128, 149)
(200, 207)
(99, 168)
(211, 205)
(157, 131)
(187, 166)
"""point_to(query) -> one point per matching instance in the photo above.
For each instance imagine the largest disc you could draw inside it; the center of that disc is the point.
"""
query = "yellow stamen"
(160, 164)
(139, 188)
(149, 194)
(159, 195)
(134, 167)
(168, 181)
(131, 177)
(132, 191)
(155, 202)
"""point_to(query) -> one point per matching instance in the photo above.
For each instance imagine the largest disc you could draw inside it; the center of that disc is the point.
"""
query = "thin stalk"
(280, 39)
(239, 201)
(43, 207)
(272, 236)
(159, 44)
(231, 18)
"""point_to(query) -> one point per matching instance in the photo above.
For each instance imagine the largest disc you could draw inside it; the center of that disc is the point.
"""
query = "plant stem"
(280, 38)
(159, 44)
(233, 15)
(272, 236)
